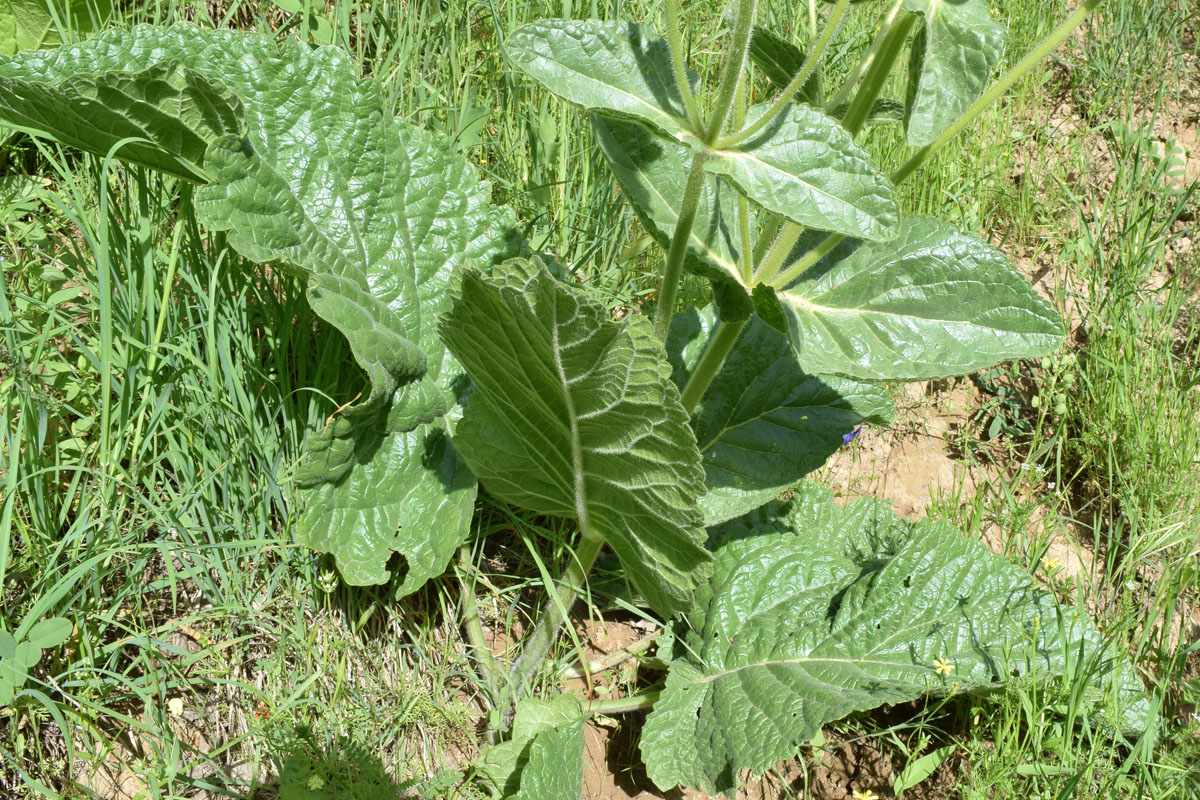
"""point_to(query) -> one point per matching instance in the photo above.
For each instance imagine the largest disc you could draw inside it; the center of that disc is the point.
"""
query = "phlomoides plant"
(670, 441)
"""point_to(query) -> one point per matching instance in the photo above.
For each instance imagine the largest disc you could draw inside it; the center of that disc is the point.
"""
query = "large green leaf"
(820, 612)
(390, 217)
(555, 767)
(763, 424)
(174, 112)
(952, 58)
(543, 756)
(321, 178)
(368, 495)
(931, 303)
(617, 68)
(652, 172)
(806, 167)
(575, 415)
(29, 24)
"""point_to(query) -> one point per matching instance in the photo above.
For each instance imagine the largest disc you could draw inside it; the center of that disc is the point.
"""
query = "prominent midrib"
(713, 256)
(735, 155)
(802, 303)
(582, 517)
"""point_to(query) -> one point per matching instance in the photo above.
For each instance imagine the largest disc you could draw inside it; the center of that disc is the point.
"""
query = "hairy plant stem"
(735, 66)
(727, 98)
(493, 674)
(868, 58)
(623, 705)
(892, 39)
(766, 237)
(781, 245)
(994, 92)
(678, 249)
(719, 346)
(798, 80)
(614, 659)
(807, 260)
(746, 258)
(679, 67)
(537, 645)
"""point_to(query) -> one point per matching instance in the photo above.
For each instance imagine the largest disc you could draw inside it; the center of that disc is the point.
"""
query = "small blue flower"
(849, 437)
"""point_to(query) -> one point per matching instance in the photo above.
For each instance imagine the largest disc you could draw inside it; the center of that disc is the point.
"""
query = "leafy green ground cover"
(208, 646)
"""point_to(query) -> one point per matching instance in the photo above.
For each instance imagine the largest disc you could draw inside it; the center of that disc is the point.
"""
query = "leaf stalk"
(893, 39)
(538, 645)
(492, 673)
(623, 705)
(673, 270)
(798, 80)
(735, 66)
(868, 58)
(718, 349)
(679, 67)
(614, 659)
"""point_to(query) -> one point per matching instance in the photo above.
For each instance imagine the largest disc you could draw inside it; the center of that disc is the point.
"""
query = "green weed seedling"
(668, 441)
(21, 652)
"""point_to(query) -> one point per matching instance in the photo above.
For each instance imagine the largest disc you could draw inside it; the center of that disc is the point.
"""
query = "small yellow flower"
(175, 706)
(1050, 564)
(943, 666)
(867, 795)
(315, 783)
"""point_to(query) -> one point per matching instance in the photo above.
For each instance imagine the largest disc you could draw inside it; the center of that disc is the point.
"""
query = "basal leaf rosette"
(814, 612)
(575, 415)
(303, 165)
